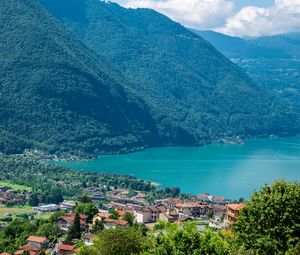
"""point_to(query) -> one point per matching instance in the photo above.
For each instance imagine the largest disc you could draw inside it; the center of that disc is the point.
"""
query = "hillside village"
(205, 210)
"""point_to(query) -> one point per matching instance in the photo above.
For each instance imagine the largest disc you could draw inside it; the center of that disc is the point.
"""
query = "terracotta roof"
(37, 239)
(123, 212)
(69, 218)
(174, 201)
(118, 204)
(191, 205)
(29, 247)
(66, 247)
(19, 252)
(4, 253)
(89, 236)
(154, 209)
(235, 206)
(117, 222)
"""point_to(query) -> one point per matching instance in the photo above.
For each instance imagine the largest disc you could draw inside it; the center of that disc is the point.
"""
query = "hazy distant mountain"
(278, 46)
(271, 61)
(55, 95)
(195, 94)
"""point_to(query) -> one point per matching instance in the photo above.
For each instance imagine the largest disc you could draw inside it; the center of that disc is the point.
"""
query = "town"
(111, 210)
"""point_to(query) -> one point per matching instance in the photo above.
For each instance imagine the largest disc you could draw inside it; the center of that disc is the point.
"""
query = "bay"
(228, 170)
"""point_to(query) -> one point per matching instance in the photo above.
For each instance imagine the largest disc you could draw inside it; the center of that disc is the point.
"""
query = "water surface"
(229, 170)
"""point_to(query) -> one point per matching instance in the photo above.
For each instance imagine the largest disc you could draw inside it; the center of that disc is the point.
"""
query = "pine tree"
(74, 231)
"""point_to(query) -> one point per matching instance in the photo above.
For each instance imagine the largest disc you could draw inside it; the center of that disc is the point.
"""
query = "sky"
(244, 18)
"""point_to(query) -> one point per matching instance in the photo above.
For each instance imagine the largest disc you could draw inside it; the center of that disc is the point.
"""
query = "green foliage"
(114, 215)
(270, 222)
(97, 227)
(51, 187)
(194, 93)
(88, 209)
(129, 217)
(56, 96)
(75, 231)
(271, 61)
(171, 239)
(16, 233)
(119, 241)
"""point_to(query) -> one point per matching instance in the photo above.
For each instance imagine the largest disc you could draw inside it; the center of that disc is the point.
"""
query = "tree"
(270, 222)
(97, 227)
(210, 213)
(171, 239)
(88, 209)
(129, 218)
(74, 231)
(85, 199)
(114, 215)
(118, 241)
(33, 200)
(49, 230)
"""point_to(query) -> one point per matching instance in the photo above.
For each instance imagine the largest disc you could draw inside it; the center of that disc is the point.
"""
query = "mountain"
(195, 94)
(55, 95)
(271, 61)
(277, 46)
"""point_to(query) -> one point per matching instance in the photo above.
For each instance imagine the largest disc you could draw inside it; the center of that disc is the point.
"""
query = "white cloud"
(200, 14)
(282, 17)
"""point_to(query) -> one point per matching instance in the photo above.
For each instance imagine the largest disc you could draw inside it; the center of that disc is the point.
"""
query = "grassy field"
(14, 210)
(14, 186)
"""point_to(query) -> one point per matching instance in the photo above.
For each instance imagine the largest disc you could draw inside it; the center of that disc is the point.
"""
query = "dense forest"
(165, 86)
(195, 94)
(56, 96)
(271, 61)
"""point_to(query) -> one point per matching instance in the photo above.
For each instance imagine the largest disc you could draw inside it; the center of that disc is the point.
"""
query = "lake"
(228, 170)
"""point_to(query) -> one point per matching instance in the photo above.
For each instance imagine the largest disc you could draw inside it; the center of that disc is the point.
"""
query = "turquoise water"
(229, 170)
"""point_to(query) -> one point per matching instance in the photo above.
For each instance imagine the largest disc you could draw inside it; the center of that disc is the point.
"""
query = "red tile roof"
(37, 239)
(117, 222)
(19, 252)
(235, 206)
(66, 247)
(4, 253)
(123, 212)
(29, 247)
(89, 236)
(69, 218)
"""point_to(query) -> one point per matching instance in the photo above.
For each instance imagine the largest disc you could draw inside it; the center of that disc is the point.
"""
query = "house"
(88, 239)
(170, 203)
(193, 209)
(100, 216)
(4, 253)
(33, 250)
(65, 222)
(168, 216)
(38, 241)
(65, 249)
(67, 205)
(111, 223)
(233, 211)
(148, 214)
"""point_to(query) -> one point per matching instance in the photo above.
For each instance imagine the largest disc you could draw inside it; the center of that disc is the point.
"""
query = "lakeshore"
(228, 170)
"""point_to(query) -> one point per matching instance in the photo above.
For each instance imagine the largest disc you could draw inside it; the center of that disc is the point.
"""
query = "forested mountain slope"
(56, 96)
(271, 61)
(195, 94)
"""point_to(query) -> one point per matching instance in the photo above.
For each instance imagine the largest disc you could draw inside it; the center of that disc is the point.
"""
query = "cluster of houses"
(37, 245)
(12, 197)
